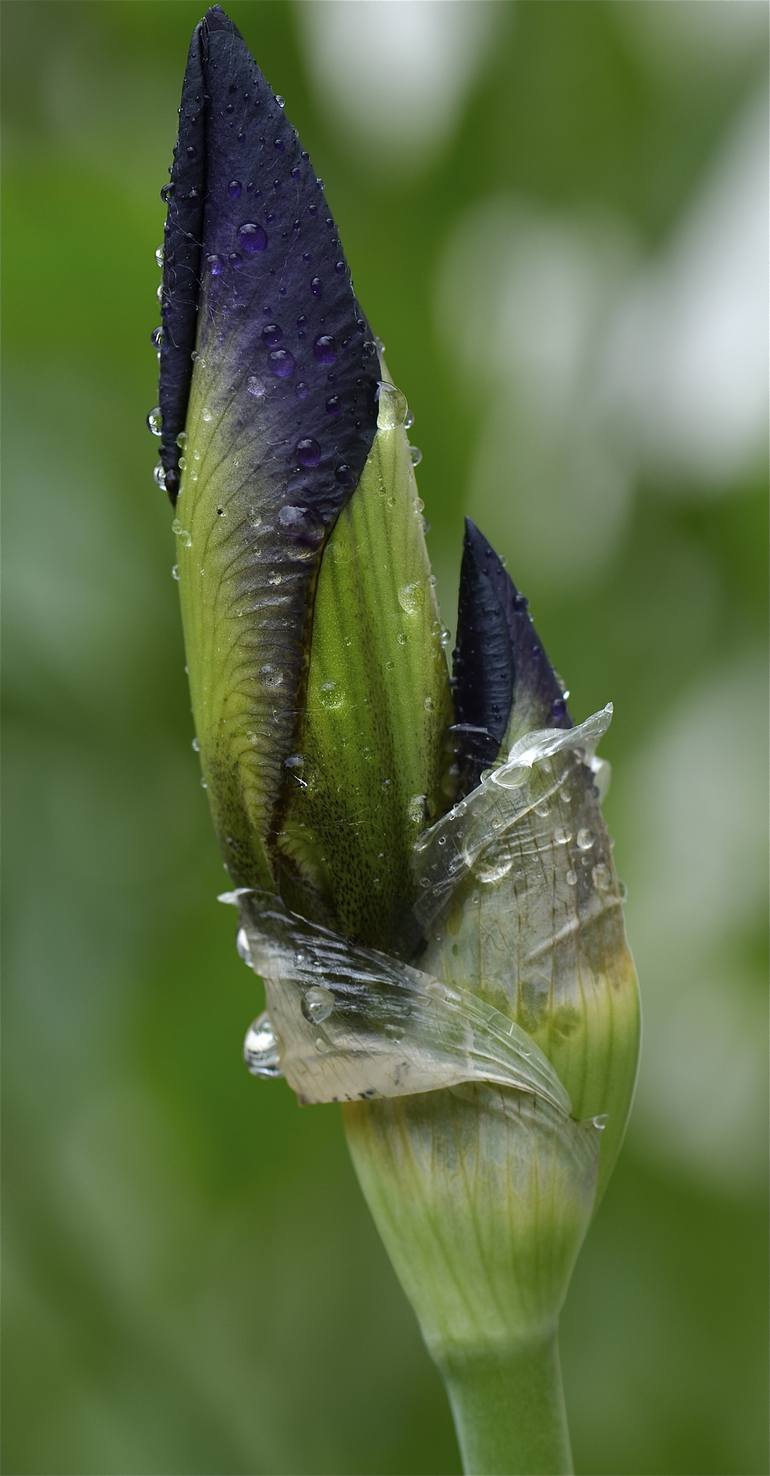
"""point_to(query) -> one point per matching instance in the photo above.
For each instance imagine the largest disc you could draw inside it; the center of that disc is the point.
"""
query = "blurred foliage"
(192, 1282)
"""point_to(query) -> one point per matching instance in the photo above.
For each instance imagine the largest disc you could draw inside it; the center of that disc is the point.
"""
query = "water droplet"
(571, 878)
(252, 237)
(181, 440)
(184, 536)
(243, 947)
(543, 810)
(584, 840)
(159, 476)
(301, 390)
(415, 455)
(308, 452)
(235, 189)
(416, 809)
(317, 1004)
(159, 256)
(281, 363)
(602, 877)
(295, 764)
(561, 836)
(411, 598)
(280, 101)
(331, 696)
(155, 421)
(333, 405)
(600, 1122)
(325, 349)
(175, 572)
(255, 387)
(260, 1048)
(272, 333)
(316, 286)
(167, 193)
(215, 265)
(271, 677)
(156, 338)
(196, 747)
(392, 409)
(207, 415)
(493, 866)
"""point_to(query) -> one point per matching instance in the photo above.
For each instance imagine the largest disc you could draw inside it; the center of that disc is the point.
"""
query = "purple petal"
(502, 675)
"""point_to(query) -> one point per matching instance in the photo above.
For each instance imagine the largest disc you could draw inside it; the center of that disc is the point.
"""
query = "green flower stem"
(508, 1409)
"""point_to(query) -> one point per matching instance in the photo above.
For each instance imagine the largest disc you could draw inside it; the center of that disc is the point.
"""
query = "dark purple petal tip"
(501, 670)
(249, 246)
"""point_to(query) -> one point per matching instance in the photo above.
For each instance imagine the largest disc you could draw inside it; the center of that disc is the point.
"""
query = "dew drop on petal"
(281, 363)
(325, 349)
(252, 237)
(308, 452)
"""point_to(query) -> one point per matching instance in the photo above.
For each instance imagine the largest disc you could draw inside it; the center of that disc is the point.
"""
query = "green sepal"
(370, 770)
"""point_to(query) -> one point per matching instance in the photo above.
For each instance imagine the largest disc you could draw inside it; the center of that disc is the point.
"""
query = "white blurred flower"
(395, 72)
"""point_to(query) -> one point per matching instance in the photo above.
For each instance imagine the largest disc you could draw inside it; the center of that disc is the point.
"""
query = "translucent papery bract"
(520, 902)
(522, 821)
(352, 1023)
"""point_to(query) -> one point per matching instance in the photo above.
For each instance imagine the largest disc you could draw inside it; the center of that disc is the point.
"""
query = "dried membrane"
(353, 1023)
(516, 884)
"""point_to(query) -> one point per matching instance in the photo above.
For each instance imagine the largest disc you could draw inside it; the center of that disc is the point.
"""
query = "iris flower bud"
(423, 875)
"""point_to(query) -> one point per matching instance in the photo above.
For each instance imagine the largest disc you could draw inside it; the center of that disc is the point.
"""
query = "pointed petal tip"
(501, 670)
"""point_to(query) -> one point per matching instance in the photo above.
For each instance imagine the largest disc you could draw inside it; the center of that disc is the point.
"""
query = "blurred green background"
(556, 214)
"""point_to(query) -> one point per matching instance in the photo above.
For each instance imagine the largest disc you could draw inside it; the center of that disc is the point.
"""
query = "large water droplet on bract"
(260, 1048)
(243, 947)
(492, 866)
(155, 421)
(317, 1004)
